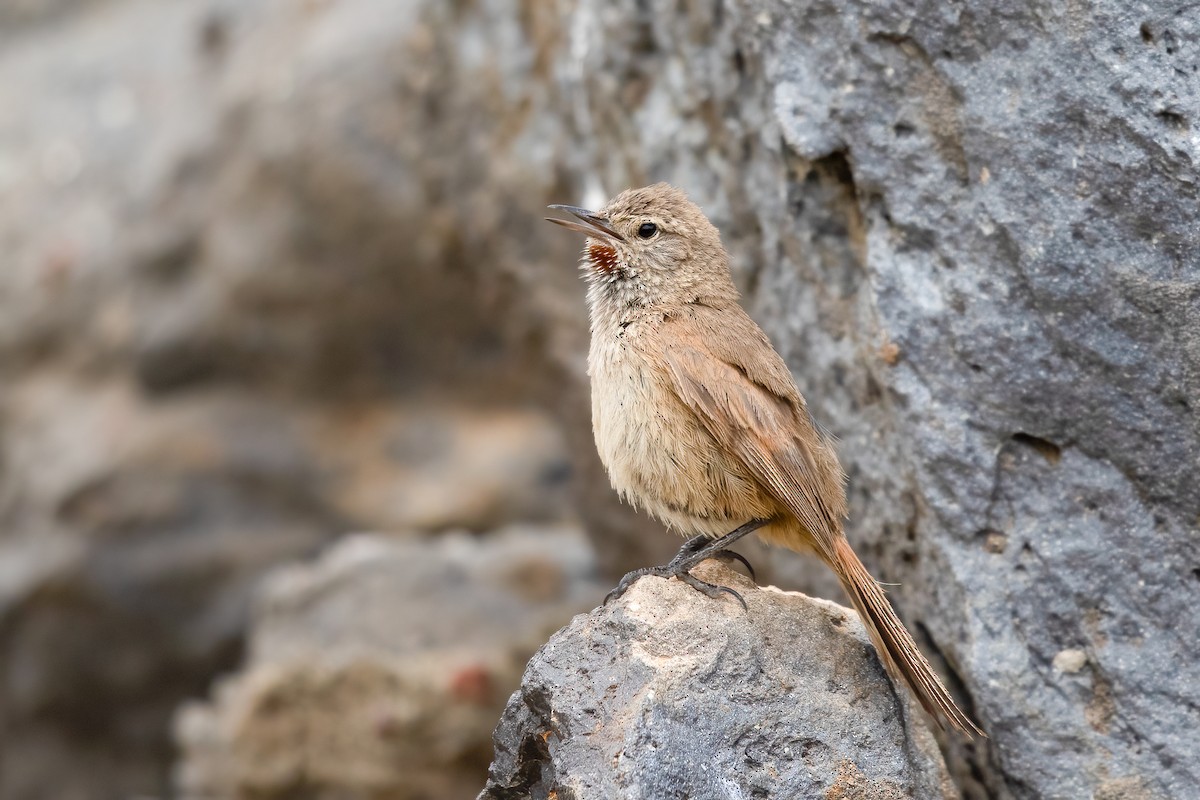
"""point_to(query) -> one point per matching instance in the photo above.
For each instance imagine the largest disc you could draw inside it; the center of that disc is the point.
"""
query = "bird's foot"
(692, 553)
(673, 570)
(711, 589)
(665, 571)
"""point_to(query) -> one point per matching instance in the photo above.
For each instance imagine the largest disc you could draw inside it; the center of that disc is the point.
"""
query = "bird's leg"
(691, 554)
(698, 543)
(700, 548)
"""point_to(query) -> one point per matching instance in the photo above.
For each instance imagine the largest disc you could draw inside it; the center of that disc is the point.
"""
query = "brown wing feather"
(759, 416)
(756, 413)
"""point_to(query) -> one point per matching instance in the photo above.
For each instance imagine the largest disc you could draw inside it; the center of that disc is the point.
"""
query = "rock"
(972, 233)
(668, 693)
(161, 519)
(379, 669)
(233, 325)
(415, 467)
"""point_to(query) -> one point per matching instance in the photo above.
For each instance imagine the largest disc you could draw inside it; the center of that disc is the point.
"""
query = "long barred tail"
(896, 647)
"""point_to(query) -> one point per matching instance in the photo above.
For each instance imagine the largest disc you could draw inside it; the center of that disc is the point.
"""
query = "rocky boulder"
(669, 693)
(379, 669)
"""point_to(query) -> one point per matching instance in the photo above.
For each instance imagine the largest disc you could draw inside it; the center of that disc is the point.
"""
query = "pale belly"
(660, 458)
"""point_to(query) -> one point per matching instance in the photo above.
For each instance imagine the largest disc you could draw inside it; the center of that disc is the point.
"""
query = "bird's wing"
(758, 415)
(724, 369)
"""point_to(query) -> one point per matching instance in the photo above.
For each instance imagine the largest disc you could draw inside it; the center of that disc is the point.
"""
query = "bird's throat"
(603, 258)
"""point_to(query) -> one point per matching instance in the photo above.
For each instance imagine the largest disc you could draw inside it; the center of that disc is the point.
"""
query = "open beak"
(590, 222)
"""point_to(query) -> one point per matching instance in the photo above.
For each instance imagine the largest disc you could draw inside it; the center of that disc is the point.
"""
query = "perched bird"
(698, 420)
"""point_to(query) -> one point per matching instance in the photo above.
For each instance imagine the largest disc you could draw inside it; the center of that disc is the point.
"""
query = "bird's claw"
(694, 551)
(632, 577)
(674, 570)
(711, 589)
(730, 555)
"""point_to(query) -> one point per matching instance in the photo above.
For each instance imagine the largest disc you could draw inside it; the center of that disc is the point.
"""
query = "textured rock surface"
(668, 693)
(379, 669)
(226, 299)
(973, 233)
(165, 519)
(971, 230)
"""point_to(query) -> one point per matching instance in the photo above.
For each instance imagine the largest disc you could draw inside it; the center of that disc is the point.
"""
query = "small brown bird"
(698, 420)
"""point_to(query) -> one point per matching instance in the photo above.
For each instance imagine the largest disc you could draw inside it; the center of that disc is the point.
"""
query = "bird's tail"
(896, 647)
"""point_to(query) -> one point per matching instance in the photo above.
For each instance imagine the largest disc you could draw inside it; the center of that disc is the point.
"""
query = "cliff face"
(973, 233)
(244, 239)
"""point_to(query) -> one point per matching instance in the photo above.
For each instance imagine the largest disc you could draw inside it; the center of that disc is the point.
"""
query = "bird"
(699, 422)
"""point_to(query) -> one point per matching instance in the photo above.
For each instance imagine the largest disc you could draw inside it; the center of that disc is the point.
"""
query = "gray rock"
(971, 230)
(231, 329)
(973, 234)
(379, 669)
(164, 518)
(668, 693)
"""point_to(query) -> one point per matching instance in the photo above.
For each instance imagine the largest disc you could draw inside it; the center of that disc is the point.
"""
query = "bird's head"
(651, 247)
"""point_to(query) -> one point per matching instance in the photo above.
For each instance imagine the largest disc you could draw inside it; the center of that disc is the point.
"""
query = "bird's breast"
(657, 453)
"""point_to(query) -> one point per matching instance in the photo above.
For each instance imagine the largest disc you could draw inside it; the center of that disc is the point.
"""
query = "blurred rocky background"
(274, 272)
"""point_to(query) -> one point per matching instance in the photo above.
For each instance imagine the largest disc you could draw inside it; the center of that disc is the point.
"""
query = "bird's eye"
(647, 230)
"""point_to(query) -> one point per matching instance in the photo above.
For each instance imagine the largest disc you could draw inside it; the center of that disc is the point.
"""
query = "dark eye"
(647, 230)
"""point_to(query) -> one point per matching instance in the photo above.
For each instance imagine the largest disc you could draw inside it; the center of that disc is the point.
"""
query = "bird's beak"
(590, 222)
